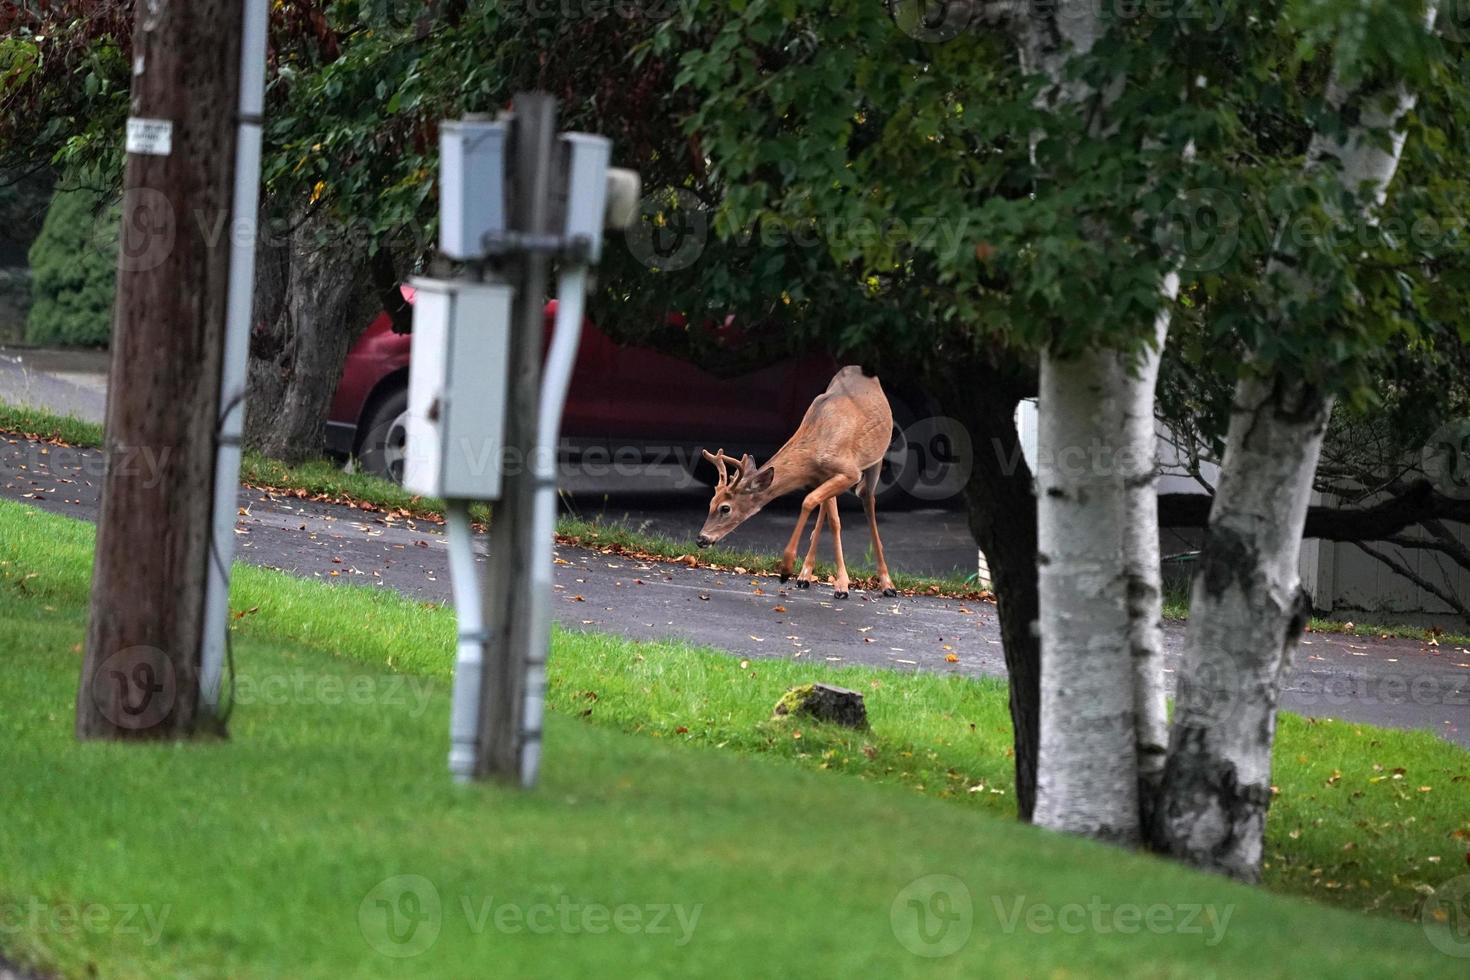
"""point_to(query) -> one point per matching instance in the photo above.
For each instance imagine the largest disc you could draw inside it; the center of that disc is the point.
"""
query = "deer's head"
(740, 493)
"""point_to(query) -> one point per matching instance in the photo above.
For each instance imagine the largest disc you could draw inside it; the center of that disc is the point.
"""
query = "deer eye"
(724, 508)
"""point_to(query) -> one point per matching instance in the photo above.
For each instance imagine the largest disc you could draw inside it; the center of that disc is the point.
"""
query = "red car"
(626, 403)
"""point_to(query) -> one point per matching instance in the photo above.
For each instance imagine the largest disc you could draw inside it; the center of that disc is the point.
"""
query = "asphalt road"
(1403, 683)
(65, 382)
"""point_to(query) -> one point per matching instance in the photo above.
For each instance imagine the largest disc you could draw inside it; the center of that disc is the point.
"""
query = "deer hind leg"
(806, 577)
(839, 585)
(809, 503)
(870, 504)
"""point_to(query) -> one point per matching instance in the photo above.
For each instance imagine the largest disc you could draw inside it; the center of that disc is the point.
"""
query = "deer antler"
(721, 461)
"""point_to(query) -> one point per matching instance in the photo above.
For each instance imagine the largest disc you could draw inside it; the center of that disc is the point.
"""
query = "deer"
(839, 446)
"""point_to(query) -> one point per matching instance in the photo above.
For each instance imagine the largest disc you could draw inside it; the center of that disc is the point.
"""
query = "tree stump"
(824, 703)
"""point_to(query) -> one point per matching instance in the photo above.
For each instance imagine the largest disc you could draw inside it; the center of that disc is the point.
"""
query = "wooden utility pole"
(508, 612)
(140, 678)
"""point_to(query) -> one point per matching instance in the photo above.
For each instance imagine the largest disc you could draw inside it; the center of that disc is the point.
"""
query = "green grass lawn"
(676, 830)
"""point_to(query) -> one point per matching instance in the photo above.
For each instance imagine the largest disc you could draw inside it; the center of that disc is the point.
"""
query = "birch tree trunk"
(1102, 706)
(1141, 564)
(1246, 615)
(1248, 608)
(1087, 772)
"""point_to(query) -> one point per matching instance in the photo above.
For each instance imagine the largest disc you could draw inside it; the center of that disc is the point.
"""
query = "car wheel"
(890, 479)
(385, 444)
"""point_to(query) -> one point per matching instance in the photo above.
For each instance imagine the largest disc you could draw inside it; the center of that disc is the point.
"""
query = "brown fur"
(838, 446)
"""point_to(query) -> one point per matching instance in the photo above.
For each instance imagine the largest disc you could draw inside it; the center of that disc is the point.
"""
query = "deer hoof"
(890, 593)
(802, 583)
(839, 595)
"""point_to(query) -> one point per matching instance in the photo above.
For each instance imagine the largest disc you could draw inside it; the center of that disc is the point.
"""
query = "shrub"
(73, 273)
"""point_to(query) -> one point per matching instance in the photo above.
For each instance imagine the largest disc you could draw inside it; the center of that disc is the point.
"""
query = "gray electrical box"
(471, 186)
(457, 389)
(586, 203)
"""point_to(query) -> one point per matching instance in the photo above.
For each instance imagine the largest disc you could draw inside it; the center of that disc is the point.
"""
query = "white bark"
(1102, 697)
(1103, 721)
(1141, 558)
(1245, 617)
(1087, 780)
(1248, 609)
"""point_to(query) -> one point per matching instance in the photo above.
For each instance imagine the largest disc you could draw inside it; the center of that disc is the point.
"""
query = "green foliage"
(73, 272)
(876, 195)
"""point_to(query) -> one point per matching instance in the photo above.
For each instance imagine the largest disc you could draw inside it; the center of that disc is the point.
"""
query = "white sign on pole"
(151, 137)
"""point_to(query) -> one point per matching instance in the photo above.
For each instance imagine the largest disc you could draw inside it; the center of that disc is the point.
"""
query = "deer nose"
(703, 541)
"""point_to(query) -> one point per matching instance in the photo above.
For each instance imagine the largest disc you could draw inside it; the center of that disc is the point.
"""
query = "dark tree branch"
(1444, 544)
(1416, 503)
(1448, 598)
(1448, 543)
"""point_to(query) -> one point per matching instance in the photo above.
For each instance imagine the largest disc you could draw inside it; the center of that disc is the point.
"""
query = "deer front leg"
(809, 503)
(805, 577)
(839, 585)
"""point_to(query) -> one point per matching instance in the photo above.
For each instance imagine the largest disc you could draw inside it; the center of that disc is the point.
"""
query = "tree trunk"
(140, 675)
(314, 297)
(1248, 609)
(1141, 557)
(1087, 770)
(1002, 515)
(1247, 613)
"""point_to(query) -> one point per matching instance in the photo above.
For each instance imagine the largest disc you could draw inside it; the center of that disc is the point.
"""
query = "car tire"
(386, 433)
(890, 490)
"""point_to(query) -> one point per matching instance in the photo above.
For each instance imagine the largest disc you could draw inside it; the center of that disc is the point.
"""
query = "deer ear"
(762, 480)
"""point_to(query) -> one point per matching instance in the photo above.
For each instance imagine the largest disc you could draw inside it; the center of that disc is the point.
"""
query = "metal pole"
(231, 423)
(464, 716)
(508, 615)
